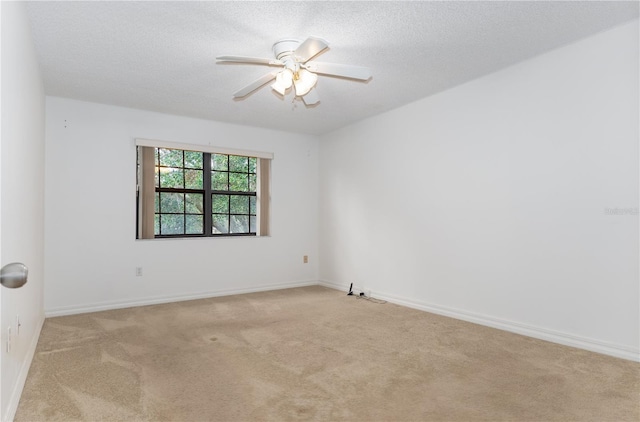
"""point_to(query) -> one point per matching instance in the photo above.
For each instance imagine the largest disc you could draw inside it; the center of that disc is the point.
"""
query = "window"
(233, 189)
(179, 192)
(189, 193)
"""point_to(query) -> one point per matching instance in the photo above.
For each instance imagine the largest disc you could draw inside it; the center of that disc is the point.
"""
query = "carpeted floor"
(312, 354)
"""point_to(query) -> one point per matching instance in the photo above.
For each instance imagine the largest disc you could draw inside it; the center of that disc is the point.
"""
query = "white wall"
(90, 247)
(488, 201)
(21, 198)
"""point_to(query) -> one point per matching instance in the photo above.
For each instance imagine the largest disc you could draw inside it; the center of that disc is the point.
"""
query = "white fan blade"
(253, 60)
(311, 47)
(311, 97)
(258, 83)
(342, 70)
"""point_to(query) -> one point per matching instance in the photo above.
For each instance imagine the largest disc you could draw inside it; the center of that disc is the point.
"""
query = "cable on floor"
(372, 299)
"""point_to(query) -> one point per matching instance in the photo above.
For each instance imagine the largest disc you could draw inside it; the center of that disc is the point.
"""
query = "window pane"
(171, 224)
(193, 160)
(170, 157)
(171, 202)
(239, 204)
(219, 162)
(220, 204)
(181, 210)
(193, 179)
(220, 223)
(219, 180)
(194, 203)
(195, 224)
(237, 163)
(238, 182)
(171, 177)
(239, 224)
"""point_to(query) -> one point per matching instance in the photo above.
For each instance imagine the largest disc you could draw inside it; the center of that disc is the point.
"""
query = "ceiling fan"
(296, 69)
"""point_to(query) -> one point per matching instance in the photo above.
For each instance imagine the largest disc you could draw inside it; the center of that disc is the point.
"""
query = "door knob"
(14, 275)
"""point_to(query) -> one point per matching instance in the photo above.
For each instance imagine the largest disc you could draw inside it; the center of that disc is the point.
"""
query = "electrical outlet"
(305, 259)
(138, 271)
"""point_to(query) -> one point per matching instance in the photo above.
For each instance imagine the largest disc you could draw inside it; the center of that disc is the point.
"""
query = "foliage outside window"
(233, 186)
(201, 193)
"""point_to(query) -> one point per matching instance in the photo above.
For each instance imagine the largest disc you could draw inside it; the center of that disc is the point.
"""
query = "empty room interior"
(373, 211)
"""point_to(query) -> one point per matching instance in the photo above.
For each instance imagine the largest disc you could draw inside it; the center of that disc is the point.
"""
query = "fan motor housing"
(285, 47)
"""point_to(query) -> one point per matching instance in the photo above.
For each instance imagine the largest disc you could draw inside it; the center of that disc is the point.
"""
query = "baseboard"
(14, 399)
(109, 305)
(566, 339)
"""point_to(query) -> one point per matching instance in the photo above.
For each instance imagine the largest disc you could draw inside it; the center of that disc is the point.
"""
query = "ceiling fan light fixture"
(304, 81)
(284, 80)
(294, 58)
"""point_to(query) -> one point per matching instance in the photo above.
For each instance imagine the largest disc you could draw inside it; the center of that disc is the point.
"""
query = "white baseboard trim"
(14, 399)
(553, 336)
(109, 305)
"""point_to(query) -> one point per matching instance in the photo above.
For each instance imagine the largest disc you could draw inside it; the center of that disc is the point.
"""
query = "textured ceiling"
(160, 56)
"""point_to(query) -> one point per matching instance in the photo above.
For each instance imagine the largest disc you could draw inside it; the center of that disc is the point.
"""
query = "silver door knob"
(14, 275)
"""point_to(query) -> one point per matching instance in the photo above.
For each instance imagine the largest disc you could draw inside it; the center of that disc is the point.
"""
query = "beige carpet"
(312, 354)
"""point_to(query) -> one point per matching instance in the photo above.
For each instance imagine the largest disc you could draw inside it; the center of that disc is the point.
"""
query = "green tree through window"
(233, 188)
(204, 194)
